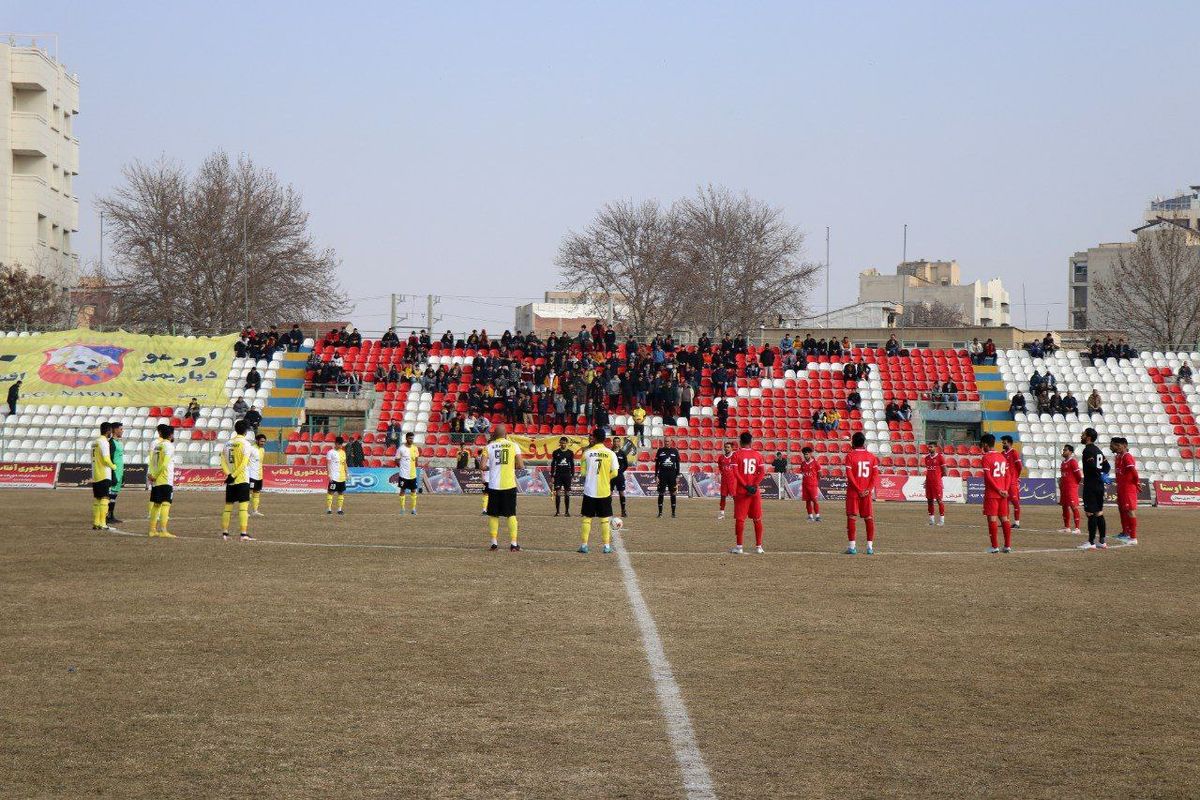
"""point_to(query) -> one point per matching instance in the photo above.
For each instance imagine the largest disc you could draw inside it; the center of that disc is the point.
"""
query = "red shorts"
(810, 491)
(726, 487)
(1127, 499)
(858, 506)
(994, 505)
(1069, 499)
(933, 491)
(748, 506)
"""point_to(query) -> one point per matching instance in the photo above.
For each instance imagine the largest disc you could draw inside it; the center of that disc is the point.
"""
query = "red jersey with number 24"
(995, 473)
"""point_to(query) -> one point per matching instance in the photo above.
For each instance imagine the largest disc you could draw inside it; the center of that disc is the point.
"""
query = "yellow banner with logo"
(540, 447)
(86, 367)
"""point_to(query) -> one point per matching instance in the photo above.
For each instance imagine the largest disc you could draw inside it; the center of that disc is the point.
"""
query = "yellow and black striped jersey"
(502, 462)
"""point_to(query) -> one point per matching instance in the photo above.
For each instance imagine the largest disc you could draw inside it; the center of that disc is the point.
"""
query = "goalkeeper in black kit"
(562, 472)
(666, 469)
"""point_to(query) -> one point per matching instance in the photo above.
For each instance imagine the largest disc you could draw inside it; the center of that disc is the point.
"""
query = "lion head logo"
(79, 365)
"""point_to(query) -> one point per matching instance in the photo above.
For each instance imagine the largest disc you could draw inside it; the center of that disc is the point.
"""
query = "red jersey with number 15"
(862, 471)
(749, 468)
(995, 473)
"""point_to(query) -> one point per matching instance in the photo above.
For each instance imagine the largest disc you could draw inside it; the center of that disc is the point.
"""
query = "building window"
(1080, 271)
(1079, 297)
(1080, 320)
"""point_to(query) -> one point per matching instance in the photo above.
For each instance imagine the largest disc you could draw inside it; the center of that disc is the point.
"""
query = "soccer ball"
(617, 524)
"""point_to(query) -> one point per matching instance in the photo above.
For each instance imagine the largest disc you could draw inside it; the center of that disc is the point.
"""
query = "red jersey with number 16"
(749, 468)
(862, 471)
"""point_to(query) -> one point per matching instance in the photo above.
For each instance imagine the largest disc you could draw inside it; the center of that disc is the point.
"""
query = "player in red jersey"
(935, 470)
(862, 476)
(724, 467)
(810, 490)
(749, 468)
(1070, 475)
(997, 485)
(1127, 489)
(1014, 478)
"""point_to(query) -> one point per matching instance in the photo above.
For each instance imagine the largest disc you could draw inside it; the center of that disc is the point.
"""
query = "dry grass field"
(380, 656)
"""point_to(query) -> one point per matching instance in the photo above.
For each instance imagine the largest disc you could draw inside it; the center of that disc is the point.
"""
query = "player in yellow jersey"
(501, 460)
(599, 465)
(235, 463)
(335, 463)
(258, 456)
(102, 476)
(406, 462)
(160, 470)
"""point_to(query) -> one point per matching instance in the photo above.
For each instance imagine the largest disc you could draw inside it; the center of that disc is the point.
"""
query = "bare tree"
(209, 252)
(744, 262)
(631, 252)
(935, 314)
(30, 301)
(1154, 291)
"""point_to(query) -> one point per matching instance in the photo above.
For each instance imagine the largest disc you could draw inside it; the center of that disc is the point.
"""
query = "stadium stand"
(1142, 402)
(63, 433)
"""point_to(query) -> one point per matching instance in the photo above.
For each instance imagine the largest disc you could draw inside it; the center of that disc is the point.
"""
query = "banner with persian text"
(86, 367)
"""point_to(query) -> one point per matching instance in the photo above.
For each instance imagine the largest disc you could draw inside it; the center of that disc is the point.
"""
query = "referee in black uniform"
(666, 469)
(562, 472)
(1095, 467)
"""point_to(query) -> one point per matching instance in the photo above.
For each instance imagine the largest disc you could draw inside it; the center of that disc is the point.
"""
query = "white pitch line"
(697, 783)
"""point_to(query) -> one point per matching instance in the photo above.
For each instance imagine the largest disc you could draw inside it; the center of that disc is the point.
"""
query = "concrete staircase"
(285, 403)
(994, 401)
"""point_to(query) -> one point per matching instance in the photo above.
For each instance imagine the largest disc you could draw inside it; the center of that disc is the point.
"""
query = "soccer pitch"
(374, 655)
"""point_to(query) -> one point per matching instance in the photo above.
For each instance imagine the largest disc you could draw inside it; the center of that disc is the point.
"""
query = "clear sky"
(446, 147)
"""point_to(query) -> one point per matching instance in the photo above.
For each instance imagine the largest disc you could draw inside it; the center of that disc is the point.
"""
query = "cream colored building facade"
(39, 210)
(982, 303)
(1086, 268)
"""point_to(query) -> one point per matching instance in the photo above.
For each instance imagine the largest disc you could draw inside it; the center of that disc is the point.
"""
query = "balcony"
(30, 134)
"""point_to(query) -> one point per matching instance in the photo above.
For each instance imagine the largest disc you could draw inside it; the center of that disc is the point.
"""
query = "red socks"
(1132, 529)
(739, 528)
(722, 502)
(870, 529)
(1067, 517)
(941, 509)
(929, 507)
(758, 530)
(812, 507)
(851, 531)
(993, 532)
(1007, 526)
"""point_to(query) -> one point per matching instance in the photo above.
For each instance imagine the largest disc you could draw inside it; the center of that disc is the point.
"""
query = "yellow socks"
(512, 529)
(585, 525)
(155, 508)
(493, 527)
(485, 501)
(403, 501)
(254, 498)
(164, 516)
(225, 515)
(329, 502)
(99, 512)
(606, 530)
(244, 516)
(341, 501)
(414, 501)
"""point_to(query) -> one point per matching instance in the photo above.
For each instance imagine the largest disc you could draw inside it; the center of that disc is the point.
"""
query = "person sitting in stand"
(853, 401)
(1069, 404)
(989, 352)
(818, 420)
(891, 411)
(950, 393)
(354, 339)
(240, 407)
(193, 410)
(905, 410)
(1184, 373)
(1056, 403)
(832, 419)
(389, 338)
(1094, 405)
(1035, 382)
(1017, 403)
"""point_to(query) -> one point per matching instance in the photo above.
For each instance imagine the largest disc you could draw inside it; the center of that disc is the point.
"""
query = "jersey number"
(502, 456)
(1000, 469)
(749, 467)
(864, 469)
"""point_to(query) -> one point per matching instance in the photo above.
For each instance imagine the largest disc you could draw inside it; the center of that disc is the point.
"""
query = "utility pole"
(393, 309)
(102, 242)
(397, 317)
(903, 277)
(246, 264)
(1025, 305)
(430, 319)
(827, 276)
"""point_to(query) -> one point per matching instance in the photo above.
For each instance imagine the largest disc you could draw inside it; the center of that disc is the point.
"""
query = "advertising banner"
(832, 488)
(73, 475)
(209, 479)
(443, 480)
(377, 480)
(295, 479)
(539, 448)
(1034, 491)
(86, 367)
(1177, 493)
(25, 475)
(911, 489)
(648, 484)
